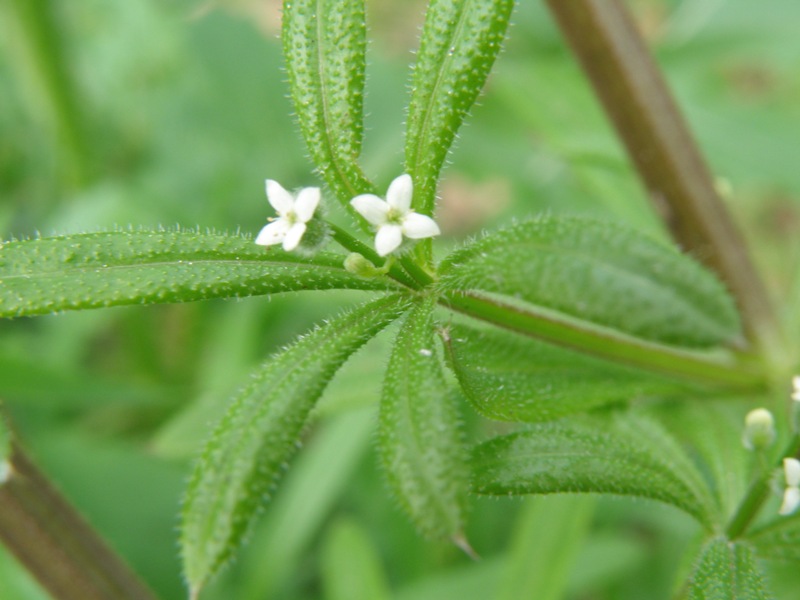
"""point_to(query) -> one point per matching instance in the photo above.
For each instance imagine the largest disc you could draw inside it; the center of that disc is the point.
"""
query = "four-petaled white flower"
(394, 217)
(791, 496)
(796, 388)
(293, 214)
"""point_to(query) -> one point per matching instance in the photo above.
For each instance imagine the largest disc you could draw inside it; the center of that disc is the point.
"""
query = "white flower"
(394, 217)
(791, 496)
(293, 214)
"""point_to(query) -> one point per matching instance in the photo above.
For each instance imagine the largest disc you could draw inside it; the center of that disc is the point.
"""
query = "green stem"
(348, 242)
(56, 545)
(636, 98)
(758, 493)
(717, 369)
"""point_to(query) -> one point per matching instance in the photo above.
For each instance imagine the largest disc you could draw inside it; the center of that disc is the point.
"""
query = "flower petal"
(791, 469)
(281, 200)
(274, 233)
(306, 203)
(293, 236)
(388, 239)
(372, 208)
(416, 226)
(400, 192)
(791, 500)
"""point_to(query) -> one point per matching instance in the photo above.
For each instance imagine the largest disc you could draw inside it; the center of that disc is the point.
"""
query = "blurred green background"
(172, 114)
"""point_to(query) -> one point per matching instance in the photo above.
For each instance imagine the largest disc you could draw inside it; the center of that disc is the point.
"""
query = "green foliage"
(420, 440)
(626, 306)
(601, 273)
(324, 43)
(249, 448)
(110, 269)
(460, 41)
(351, 568)
(727, 571)
(569, 457)
(512, 378)
(779, 540)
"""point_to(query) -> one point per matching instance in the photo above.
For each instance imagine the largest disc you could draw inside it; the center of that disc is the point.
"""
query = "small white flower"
(293, 214)
(791, 496)
(394, 217)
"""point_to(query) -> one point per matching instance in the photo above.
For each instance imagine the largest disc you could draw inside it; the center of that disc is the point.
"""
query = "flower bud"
(759, 429)
(358, 265)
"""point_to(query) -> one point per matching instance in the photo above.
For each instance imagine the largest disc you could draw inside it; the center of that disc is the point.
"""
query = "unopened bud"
(759, 429)
(358, 265)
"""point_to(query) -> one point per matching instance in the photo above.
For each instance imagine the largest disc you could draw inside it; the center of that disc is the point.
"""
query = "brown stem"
(635, 96)
(55, 544)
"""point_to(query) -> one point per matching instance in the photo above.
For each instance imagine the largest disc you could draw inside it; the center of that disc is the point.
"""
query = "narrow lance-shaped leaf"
(420, 443)
(602, 273)
(510, 377)
(249, 448)
(460, 41)
(324, 44)
(727, 570)
(554, 458)
(95, 270)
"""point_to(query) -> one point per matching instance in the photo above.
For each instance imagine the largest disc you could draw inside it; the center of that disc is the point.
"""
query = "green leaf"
(779, 540)
(569, 457)
(713, 430)
(420, 442)
(601, 273)
(151, 267)
(320, 477)
(727, 571)
(514, 378)
(351, 567)
(249, 448)
(549, 534)
(324, 42)
(460, 41)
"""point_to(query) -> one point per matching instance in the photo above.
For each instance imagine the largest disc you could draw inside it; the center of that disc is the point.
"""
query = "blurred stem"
(717, 369)
(758, 493)
(636, 98)
(32, 34)
(55, 544)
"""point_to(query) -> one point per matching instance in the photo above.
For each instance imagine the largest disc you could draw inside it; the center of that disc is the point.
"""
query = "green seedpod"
(601, 273)
(420, 440)
(94, 270)
(460, 41)
(575, 457)
(727, 570)
(510, 377)
(324, 42)
(248, 450)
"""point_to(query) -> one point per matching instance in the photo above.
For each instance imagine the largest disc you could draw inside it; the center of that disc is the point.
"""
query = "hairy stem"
(716, 369)
(56, 545)
(636, 98)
